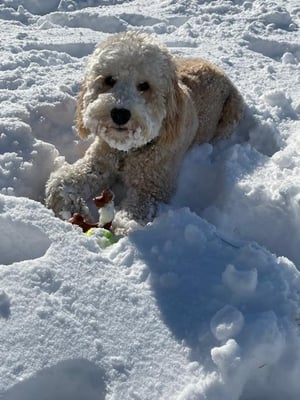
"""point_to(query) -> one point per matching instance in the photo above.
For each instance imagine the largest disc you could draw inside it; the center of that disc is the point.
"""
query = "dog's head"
(129, 94)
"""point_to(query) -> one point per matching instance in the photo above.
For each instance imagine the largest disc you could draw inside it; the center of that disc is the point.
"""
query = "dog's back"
(217, 102)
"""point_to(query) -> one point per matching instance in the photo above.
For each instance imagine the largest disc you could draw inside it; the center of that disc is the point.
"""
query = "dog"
(146, 109)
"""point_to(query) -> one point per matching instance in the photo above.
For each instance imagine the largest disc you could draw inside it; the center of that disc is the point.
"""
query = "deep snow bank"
(153, 311)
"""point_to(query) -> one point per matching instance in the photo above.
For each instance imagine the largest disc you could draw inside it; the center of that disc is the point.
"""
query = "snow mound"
(181, 311)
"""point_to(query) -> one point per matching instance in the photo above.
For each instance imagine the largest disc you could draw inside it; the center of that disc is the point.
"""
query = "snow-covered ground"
(202, 304)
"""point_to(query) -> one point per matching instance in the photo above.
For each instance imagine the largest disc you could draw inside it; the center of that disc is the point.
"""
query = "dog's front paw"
(64, 200)
(123, 223)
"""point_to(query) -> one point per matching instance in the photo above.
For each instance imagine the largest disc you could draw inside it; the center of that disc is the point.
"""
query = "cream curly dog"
(146, 109)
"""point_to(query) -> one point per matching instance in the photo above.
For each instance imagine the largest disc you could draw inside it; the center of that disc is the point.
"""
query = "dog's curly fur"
(170, 105)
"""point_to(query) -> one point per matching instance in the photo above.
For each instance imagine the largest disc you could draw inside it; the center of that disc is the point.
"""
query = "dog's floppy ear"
(81, 129)
(174, 101)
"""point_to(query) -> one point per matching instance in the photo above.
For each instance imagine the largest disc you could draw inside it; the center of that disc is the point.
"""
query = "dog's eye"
(143, 87)
(110, 81)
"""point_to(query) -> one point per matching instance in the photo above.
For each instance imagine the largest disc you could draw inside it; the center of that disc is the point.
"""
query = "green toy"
(103, 236)
(100, 230)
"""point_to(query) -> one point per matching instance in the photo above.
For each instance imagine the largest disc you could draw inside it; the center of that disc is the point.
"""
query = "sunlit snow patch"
(20, 241)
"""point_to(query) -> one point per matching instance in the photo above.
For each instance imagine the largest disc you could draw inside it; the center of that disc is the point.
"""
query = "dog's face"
(128, 86)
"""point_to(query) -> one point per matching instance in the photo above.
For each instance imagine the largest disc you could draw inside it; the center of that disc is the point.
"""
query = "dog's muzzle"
(120, 116)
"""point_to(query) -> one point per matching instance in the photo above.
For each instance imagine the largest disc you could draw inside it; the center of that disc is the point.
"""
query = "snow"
(201, 304)
(227, 323)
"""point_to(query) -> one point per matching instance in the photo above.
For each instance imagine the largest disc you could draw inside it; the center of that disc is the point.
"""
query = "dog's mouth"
(124, 138)
(117, 128)
(120, 128)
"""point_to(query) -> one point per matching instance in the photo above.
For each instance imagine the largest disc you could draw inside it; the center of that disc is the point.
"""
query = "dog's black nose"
(120, 115)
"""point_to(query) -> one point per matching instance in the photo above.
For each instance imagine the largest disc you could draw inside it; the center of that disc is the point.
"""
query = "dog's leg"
(69, 186)
(154, 183)
(232, 111)
(140, 205)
